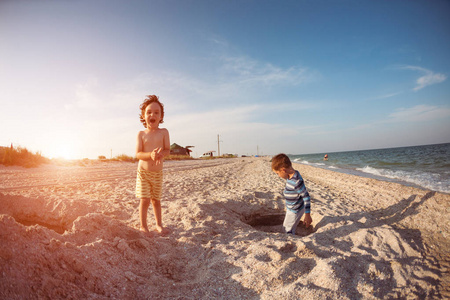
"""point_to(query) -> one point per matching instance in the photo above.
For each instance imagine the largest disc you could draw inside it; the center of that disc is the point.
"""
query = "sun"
(63, 151)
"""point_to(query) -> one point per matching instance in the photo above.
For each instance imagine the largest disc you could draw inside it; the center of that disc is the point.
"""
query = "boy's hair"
(280, 161)
(150, 99)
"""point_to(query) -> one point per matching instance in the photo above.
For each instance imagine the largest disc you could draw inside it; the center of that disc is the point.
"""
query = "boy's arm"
(163, 151)
(139, 147)
(308, 220)
(159, 153)
(166, 149)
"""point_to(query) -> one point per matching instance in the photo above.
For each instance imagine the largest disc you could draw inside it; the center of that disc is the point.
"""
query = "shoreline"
(359, 173)
(371, 239)
(198, 163)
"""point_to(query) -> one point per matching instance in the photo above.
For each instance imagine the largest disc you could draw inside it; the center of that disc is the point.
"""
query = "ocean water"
(426, 167)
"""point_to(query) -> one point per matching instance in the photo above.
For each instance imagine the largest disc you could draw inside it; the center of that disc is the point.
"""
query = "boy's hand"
(156, 155)
(308, 220)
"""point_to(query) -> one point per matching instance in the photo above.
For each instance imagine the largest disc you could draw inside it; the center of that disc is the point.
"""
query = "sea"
(426, 167)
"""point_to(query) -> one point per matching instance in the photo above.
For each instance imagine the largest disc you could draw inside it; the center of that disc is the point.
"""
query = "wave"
(421, 166)
(426, 180)
(300, 161)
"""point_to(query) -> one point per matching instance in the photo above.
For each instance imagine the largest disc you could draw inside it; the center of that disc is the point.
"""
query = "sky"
(254, 77)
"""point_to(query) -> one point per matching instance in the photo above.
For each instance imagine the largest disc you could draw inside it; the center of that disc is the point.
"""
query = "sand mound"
(72, 232)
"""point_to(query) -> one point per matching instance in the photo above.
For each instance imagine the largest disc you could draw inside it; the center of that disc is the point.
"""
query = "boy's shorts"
(291, 220)
(149, 184)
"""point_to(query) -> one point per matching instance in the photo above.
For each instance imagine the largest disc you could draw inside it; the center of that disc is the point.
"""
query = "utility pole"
(218, 146)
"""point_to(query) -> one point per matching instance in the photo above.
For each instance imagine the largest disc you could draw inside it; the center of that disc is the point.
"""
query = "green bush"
(20, 156)
(124, 157)
(178, 157)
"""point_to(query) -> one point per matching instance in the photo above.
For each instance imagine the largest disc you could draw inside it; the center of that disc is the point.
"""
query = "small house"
(176, 149)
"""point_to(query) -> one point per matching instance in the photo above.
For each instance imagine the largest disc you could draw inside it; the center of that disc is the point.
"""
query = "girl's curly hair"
(150, 99)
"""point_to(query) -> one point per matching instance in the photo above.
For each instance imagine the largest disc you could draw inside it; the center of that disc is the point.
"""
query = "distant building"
(176, 149)
(207, 154)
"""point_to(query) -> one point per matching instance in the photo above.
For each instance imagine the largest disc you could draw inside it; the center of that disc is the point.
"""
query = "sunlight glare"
(64, 151)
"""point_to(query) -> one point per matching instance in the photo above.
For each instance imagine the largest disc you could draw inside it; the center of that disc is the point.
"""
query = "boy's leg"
(156, 191)
(157, 211)
(291, 221)
(143, 208)
(158, 216)
(142, 192)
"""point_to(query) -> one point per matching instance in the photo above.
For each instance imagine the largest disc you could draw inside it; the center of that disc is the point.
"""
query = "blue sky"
(277, 76)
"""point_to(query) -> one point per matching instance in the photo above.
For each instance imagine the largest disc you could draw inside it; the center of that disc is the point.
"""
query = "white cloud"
(386, 96)
(241, 128)
(241, 70)
(236, 121)
(419, 113)
(244, 70)
(429, 78)
(219, 41)
(85, 95)
(238, 80)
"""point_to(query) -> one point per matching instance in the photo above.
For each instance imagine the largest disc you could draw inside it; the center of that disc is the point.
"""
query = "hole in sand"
(31, 222)
(273, 222)
(270, 222)
(34, 211)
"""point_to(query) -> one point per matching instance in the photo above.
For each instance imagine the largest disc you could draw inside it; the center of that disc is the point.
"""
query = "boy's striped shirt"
(296, 195)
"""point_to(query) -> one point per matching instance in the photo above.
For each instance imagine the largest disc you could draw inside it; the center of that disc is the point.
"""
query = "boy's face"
(152, 115)
(282, 173)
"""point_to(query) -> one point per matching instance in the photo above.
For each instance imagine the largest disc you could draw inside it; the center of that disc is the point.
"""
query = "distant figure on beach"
(325, 157)
(152, 145)
(297, 198)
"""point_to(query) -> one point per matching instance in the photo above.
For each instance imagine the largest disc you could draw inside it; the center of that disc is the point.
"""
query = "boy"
(151, 147)
(297, 197)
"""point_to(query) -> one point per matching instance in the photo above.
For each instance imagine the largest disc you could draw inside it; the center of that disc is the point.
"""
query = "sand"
(73, 232)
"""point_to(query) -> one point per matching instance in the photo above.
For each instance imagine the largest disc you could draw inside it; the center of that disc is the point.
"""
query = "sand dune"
(72, 231)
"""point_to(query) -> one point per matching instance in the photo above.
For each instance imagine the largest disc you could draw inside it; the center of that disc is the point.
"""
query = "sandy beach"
(73, 232)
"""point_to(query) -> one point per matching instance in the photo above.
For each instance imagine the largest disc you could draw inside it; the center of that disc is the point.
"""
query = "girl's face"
(152, 115)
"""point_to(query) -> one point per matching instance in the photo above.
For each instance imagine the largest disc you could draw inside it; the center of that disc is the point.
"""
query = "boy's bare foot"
(147, 233)
(162, 230)
(144, 230)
